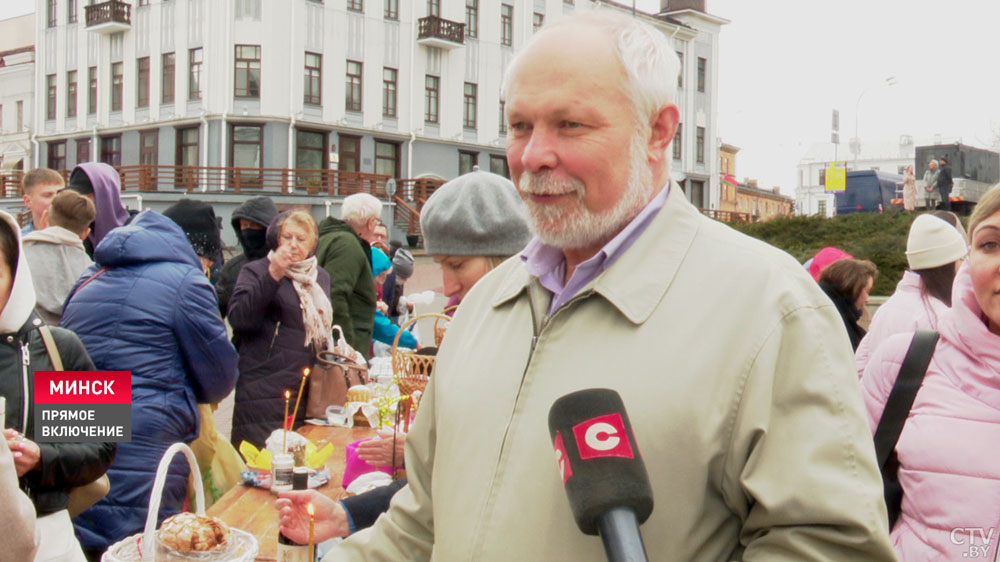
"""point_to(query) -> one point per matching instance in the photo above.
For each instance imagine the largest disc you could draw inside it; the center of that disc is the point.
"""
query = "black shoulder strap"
(897, 407)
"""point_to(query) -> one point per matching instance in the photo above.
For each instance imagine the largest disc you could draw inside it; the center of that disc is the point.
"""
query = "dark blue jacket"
(154, 313)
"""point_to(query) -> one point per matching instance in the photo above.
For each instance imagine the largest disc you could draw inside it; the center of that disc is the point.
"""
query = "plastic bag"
(218, 460)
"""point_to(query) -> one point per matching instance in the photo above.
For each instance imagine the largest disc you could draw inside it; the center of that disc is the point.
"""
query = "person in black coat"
(250, 222)
(847, 282)
(944, 184)
(280, 311)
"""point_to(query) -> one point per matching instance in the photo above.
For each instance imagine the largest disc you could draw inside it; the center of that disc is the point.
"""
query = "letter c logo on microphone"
(603, 436)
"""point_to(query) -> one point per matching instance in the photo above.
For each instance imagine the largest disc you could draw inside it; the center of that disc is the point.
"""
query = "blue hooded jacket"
(154, 313)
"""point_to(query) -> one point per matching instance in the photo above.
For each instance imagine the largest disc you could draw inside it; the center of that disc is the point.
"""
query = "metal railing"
(113, 11)
(434, 27)
(727, 216)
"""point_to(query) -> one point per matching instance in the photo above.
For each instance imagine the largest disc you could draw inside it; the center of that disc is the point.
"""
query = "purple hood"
(111, 213)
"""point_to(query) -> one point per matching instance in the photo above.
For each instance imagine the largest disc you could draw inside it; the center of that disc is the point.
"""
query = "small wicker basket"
(412, 370)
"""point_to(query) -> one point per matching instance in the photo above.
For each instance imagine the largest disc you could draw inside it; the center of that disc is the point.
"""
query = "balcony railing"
(439, 32)
(109, 17)
(727, 216)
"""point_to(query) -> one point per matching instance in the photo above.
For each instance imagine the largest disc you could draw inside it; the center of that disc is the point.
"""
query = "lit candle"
(302, 386)
(312, 521)
(284, 422)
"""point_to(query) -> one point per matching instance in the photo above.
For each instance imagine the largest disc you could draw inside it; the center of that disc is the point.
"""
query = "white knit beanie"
(933, 243)
(476, 214)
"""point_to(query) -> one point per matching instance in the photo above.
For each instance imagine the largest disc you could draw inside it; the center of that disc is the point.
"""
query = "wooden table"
(252, 509)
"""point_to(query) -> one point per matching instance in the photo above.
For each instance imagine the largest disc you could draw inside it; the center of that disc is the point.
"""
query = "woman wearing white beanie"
(935, 249)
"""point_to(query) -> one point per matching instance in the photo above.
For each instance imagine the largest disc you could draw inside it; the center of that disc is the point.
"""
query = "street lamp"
(890, 81)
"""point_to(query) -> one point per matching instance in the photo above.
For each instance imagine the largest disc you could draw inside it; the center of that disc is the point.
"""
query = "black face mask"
(254, 242)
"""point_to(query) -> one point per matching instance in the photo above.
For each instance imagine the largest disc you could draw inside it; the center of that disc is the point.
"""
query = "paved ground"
(426, 277)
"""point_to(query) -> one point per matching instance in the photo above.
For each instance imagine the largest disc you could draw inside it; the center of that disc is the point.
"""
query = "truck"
(869, 191)
(974, 171)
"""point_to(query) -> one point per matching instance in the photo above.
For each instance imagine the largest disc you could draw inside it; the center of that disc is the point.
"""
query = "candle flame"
(288, 394)
(309, 508)
(305, 372)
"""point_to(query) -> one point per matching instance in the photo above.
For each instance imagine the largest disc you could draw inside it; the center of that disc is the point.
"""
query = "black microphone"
(602, 471)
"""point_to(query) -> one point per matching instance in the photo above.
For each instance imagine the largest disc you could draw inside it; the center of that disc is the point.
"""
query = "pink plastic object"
(356, 467)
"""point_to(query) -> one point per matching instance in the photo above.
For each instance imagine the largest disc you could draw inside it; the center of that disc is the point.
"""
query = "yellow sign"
(836, 176)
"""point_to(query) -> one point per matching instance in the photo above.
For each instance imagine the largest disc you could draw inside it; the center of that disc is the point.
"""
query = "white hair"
(357, 209)
(650, 62)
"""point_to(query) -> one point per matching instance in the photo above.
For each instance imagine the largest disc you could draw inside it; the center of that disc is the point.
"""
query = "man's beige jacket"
(738, 378)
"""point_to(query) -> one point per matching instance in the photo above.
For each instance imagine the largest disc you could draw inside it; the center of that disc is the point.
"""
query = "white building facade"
(406, 88)
(17, 75)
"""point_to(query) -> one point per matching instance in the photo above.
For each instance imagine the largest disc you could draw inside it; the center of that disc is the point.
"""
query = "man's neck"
(576, 256)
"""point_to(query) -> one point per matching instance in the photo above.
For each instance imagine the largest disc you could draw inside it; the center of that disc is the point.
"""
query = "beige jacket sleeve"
(17, 514)
(406, 531)
(802, 407)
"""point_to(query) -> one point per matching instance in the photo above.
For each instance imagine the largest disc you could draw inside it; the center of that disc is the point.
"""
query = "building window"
(247, 71)
(356, 5)
(503, 118)
(82, 150)
(149, 144)
(506, 24)
(467, 161)
(821, 207)
(310, 150)
(57, 155)
(392, 9)
(247, 146)
(469, 106)
(431, 95)
(312, 88)
(194, 74)
(434, 8)
(20, 115)
(702, 66)
(187, 146)
(680, 69)
(472, 18)
(698, 193)
(92, 90)
(167, 78)
(143, 2)
(50, 13)
(70, 11)
(71, 91)
(142, 82)
(822, 176)
(389, 92)
(50, 96)
(350, 153)
(678, 141)
(111, 150)
(387, 158)
(699, 145)
(537, 21)
(352, 98)
(117, 86)
(498, 165)
(570, 2)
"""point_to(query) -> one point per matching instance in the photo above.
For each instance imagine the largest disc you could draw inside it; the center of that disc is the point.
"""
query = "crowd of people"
(753, 403)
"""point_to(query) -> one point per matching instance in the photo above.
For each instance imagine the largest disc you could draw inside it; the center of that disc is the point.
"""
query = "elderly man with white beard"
(732, 364)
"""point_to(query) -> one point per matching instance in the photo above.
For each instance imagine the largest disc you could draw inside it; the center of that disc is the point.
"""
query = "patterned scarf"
(317, 313)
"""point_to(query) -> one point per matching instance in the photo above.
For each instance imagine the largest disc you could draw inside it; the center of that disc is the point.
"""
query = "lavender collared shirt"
(548, 263)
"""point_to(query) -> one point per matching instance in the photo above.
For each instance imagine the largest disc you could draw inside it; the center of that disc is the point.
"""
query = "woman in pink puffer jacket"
(949, 464)
(935, 247)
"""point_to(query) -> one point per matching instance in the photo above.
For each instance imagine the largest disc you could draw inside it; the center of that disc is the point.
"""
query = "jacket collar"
(637, 281)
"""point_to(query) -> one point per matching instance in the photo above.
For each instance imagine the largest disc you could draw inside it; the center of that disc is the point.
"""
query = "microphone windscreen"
(598, 457)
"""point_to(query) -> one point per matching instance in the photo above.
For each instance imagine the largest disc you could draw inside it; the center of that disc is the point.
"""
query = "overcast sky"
(784, 65)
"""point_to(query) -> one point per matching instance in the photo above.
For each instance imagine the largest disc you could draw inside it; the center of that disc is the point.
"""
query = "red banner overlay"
(83, 387)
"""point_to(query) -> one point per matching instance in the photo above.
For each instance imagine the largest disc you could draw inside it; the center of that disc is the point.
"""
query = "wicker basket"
(242, 546)
(412, 370)
(441, 326)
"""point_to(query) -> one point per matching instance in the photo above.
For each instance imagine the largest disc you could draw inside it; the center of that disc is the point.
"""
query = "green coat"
(347, 258)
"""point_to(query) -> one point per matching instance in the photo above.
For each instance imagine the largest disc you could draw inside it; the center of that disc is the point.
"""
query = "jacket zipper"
(25, 362)
(274, 337)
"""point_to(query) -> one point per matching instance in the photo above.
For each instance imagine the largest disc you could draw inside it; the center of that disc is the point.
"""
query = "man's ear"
(43, 221)
(662, 127)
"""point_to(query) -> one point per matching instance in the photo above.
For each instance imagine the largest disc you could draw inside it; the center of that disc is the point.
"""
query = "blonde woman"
(280, 310)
